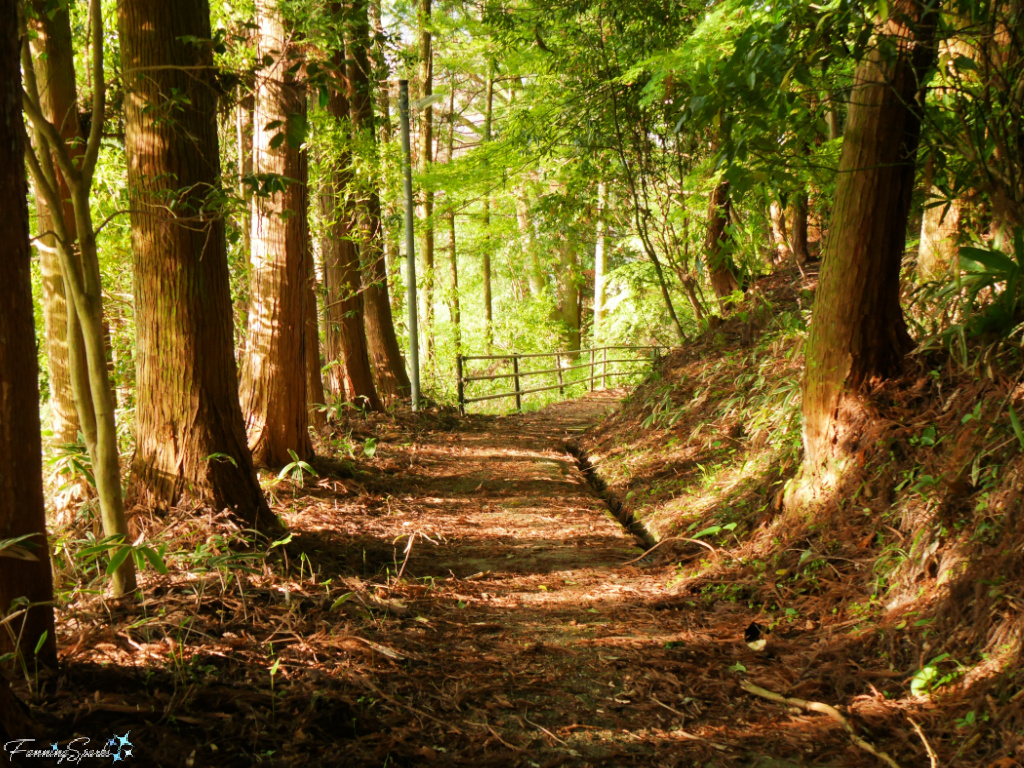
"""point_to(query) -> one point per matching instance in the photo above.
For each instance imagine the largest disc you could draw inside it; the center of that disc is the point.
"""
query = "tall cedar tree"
(273, 375)
(53, 60)
(486, 259)
(425, 157)
(190, 437)
(21, 465)
(388, 366)
(344, 315)
(858, 332)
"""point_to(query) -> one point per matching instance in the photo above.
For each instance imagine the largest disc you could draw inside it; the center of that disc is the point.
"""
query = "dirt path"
(528, 642)
(514, 637)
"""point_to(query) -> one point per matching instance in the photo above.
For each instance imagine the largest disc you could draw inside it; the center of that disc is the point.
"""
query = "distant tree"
(388, 366)
(344, 315)
(455, 302)
(190, 437)
(858, 332)
(486, 257)
(273, 389)
(21, 470)
(425, 157)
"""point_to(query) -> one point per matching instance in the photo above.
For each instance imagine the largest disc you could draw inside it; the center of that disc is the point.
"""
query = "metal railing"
(518, 374)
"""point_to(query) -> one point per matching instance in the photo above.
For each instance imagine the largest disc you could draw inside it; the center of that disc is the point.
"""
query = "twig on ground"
(821, 708)
(928, 747)
(666, 541)
(549, 733)
(389, 652)
(666, 706)
(408, 551)
(498, 736)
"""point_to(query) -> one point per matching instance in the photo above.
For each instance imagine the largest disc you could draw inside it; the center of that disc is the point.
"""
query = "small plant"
(296, 469)
(370, 447)
(70, 464)
(930, 677)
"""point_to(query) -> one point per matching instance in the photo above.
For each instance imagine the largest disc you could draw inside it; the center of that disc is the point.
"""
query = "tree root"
(824, 709)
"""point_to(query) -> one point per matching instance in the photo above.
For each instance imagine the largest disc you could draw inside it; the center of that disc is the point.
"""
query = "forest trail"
(517, 635)
(526, 640)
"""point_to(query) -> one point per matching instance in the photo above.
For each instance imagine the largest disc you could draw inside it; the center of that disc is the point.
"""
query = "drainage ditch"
(633, 526)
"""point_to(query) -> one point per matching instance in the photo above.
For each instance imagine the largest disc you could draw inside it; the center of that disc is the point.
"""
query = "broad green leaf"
(118, 558)
(1016, 427)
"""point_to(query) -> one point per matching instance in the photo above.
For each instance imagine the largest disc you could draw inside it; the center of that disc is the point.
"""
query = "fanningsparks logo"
(116, 749)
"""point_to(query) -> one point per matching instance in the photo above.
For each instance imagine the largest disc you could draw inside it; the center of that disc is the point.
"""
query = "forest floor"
(467, 602)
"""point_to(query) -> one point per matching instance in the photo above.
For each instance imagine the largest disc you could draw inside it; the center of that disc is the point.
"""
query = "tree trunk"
(599, 264)
(187, 407)
(801, 253)
(273, 388)
(488, 291)
(350, 375)
(781, 236)
(90, 375)
(453, 260)
(425, 158)
(390, 232)
(940, 228)
(717, 260)
(21, 469)
(568, 289)
(246, 106)
(858, 332)
(315, 397)
(392, 380)
(52, 56)
(534, 270)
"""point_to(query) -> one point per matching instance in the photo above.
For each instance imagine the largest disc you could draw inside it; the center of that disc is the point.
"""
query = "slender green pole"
(410, 247)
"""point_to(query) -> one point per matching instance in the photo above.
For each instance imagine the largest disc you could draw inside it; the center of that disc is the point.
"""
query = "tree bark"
(801, 252)
(599, 264)
(453, 257)
(858, 332)
(534, 270)
(244, 129)
(718, 263)
(187, 407)
(315, 396)
(425, 158)
(21, 469)
(187, 380)
(390, 232)
(350, 375)
(781, 236)
(488, 290)
(392, 380)
(273, 389)
(52, 57)
(567, 287)
(940, 227)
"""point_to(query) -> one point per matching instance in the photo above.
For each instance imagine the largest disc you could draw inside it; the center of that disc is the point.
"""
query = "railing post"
(561, 380)
(592, 355)
(515, 370)
(604, 368)
(461, 384)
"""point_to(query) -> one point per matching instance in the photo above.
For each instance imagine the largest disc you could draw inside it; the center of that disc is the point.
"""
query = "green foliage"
(999, 277)
(296, 470)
